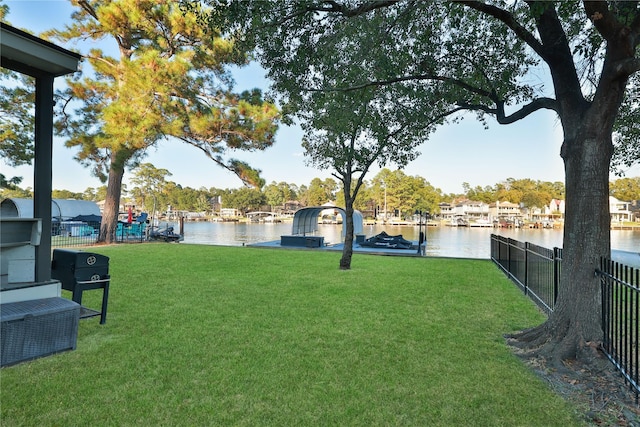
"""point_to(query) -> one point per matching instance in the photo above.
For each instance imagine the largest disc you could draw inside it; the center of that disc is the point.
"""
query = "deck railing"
(536, 270)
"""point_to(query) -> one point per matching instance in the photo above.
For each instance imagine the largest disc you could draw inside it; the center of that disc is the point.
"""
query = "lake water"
(457, 242)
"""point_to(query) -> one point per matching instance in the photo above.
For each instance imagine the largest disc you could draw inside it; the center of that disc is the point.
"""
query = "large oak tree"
(485, 57)
(166, 77)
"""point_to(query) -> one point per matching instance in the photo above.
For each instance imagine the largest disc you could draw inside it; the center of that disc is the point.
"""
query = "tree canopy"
(166, 78)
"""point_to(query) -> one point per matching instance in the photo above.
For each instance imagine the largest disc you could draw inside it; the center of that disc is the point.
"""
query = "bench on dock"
(302, 241)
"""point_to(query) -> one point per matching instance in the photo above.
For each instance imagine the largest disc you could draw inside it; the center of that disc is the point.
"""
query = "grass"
(209, 335)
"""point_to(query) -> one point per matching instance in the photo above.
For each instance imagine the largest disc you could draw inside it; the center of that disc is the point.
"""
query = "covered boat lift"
(305, 225)
(61, 209)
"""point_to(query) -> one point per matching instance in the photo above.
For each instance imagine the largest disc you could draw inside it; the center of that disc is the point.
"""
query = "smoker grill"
(80, 271)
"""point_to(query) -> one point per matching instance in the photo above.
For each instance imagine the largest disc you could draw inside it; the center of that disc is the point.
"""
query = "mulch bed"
(601, 394)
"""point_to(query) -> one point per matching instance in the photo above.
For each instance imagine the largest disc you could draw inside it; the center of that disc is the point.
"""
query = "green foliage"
(278, 194)
(11, 183)
(627, 130)
(318, 192)
(394, 190)
(526, 191)
(244, 199)
(371, 196)
(149, 182)
(95, 194)
(66, 194)
(398, 48)
(17, 123)
(625, 189)
(486, 194)
(10, 188)
(169, 80)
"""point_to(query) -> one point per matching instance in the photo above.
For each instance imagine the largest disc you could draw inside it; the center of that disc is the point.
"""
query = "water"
(457, 242)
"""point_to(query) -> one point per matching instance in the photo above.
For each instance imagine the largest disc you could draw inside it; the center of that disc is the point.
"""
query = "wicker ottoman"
(36, 328)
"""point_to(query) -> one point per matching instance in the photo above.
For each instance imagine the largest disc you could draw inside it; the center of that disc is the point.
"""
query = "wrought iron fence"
(536, 270)
(620, 318)
(74, 233)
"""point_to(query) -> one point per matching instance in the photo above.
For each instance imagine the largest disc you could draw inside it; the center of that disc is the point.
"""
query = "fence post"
(556, 274)
(526, 268)
(510, 269)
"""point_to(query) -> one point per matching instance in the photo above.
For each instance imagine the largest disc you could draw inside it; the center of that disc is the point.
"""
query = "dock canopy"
(305, 220)
(61, 209)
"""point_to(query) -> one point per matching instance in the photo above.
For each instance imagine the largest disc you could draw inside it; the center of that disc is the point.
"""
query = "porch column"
(42, 172)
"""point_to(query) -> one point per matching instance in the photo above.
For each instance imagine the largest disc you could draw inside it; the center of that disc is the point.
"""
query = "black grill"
(80, 271)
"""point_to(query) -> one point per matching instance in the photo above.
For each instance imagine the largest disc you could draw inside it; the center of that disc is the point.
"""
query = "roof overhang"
(27, 54)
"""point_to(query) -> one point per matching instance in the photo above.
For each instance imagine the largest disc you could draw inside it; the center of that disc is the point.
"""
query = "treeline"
(393, 191)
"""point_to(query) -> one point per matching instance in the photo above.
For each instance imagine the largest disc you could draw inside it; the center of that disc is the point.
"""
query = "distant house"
(634, 207)
(554, 211)
(504, 210)
(229, 212)
(290, 207)
(472, 210)
(447, 210)
(620, 211)
(556, 207)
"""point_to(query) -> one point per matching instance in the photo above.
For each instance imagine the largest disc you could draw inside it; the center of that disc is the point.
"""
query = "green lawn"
(209, 335)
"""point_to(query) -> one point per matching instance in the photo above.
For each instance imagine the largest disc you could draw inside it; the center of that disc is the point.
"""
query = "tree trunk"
(109, 223)
(574, 329)
(347, 250)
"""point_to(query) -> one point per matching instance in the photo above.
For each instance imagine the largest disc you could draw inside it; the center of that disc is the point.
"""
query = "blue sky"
(455, 154)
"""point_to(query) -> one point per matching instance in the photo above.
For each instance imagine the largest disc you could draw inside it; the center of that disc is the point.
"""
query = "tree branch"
(363, 8)
(602, 18)
(635, 27)
(627, 66)
(88, 8)
(508, 19)
(615, 32)
(332, 6)
(101, 59)
(499, 113)
(457, 82)
(206, 152)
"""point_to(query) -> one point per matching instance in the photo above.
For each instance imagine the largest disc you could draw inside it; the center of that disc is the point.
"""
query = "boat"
(165, 234)
(384, 240)
(481, 223)
(458, 222)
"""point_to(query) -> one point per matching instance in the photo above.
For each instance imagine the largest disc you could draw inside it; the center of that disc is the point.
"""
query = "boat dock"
(339, 247)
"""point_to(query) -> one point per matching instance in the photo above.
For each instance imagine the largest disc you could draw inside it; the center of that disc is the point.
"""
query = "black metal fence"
(536, 270)
(620, 317)
(74, 233)
(70, 234)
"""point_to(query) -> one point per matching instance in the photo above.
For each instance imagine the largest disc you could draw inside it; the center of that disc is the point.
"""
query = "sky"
(453, 155)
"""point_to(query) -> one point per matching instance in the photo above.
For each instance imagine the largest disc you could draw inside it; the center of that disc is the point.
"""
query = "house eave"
(27, 54)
